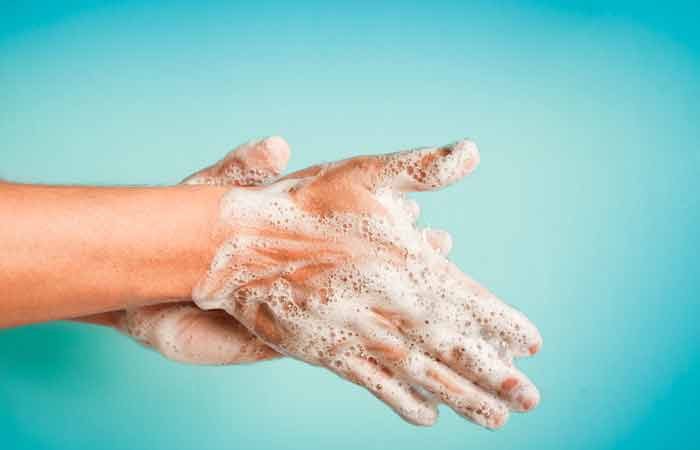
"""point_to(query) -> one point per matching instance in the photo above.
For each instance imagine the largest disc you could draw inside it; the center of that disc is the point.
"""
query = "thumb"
(253, 163)
(427, 169)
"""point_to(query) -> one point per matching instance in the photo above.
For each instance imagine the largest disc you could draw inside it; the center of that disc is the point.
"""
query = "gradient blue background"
(584, 212)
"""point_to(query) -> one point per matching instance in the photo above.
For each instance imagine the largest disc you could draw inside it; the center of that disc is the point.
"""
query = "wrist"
(183, 233)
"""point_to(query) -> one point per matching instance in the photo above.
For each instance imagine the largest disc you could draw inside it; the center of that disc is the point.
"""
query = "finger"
(440, 240)
(465, 398)
(253, 163)
(381, 333)
(494, 316)
(397, 394)
(480, 363)
(184, 333)
(381, 337)
(427, 169)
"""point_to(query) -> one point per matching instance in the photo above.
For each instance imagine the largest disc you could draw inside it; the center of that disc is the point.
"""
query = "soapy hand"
(327, 265)
(181, 331)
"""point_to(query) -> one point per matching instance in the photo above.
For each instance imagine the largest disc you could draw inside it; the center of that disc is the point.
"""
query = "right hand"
(326, 265)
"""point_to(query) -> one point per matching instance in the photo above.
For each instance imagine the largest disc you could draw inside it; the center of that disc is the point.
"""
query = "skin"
(185, 333)
(73, 251)
(182, 332)
(326, 265)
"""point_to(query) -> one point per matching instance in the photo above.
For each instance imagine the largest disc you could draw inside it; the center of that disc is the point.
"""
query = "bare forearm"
(72, 251)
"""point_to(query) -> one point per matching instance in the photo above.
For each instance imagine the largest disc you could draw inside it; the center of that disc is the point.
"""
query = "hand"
(183, 332)
(327, 265)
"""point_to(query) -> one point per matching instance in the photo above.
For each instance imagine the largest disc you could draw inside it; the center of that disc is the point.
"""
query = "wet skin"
(326, 265)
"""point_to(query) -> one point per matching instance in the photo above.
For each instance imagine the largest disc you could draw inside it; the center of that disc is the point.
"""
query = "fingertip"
(496, 418)
(427, 417)
(253, 163)
(527, 341)
(447, 165)
(278, 150)
(470, 154)
(497, 421)
(534, 348)
(530, 401)
(430, 168)
(536, 342)
(522, 398)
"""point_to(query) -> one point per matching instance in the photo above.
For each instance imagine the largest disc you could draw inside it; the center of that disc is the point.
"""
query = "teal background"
(584, 212)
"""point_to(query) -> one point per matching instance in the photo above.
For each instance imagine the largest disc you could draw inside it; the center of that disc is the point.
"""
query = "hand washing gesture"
(327, 265)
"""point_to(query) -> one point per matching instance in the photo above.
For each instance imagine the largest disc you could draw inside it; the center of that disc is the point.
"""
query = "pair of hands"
(327, 265)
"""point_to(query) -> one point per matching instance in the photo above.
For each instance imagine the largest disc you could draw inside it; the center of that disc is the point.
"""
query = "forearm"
(73, 251)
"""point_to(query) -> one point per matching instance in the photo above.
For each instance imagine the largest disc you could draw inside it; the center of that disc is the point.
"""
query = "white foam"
(310, 284)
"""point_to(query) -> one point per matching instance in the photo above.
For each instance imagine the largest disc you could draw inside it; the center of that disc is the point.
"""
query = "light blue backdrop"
(584, 212)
